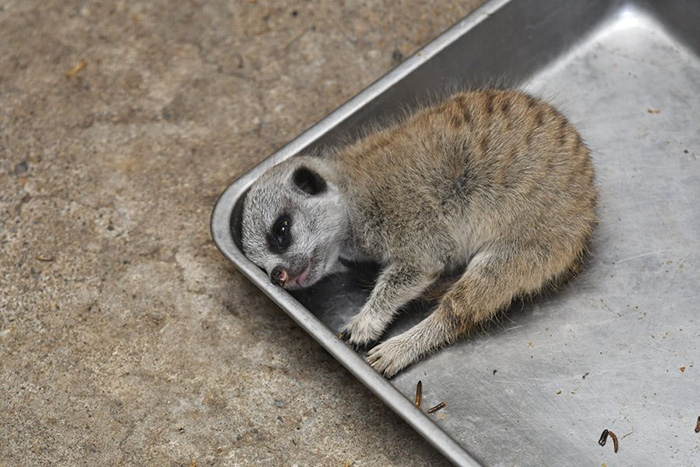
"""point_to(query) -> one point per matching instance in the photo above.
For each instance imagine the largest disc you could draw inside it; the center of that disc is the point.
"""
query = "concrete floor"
(125, 337)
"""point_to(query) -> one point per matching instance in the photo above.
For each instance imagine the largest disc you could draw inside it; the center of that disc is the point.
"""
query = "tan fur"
(496, 183)
(496, 174)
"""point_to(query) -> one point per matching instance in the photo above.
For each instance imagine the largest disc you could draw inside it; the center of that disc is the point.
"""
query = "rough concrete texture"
(125, 337)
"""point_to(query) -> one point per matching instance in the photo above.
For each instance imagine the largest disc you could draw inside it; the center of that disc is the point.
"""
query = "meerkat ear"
(308, 181)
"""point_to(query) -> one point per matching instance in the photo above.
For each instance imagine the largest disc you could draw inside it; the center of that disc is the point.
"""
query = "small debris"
(21, 167)
(584, 375)
(193, 463)
(625, 436)
(44, 258)
(682, 369)
(559, 392)
(279, 403)
(697, 426)
(653, 111)
(397, 56)
(76, 69)
(604, 437)
(495, 371)
(418, 400)
(440, 406)
(616, 446)
(419, 394)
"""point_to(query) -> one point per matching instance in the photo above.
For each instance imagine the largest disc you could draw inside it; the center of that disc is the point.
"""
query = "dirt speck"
(76, 69)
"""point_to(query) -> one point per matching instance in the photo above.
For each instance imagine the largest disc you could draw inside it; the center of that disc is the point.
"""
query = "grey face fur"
(300, 194)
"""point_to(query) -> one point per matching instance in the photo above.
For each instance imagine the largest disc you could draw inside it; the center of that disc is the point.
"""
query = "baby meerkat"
(493, 181)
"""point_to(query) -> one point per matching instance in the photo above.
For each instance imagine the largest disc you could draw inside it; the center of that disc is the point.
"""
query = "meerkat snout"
(279, 276)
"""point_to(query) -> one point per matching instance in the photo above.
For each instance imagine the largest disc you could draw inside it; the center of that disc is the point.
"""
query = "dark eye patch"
(280, 237)
(308, 181)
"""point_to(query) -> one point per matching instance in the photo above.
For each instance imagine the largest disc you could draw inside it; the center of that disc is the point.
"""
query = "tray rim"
(220, 230)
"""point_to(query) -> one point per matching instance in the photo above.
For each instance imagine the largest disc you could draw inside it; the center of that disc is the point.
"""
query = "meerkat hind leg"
(489, 284)
(397, 285)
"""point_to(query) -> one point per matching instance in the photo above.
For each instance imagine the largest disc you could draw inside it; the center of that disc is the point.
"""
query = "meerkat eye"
(308, 181)
(280, 237)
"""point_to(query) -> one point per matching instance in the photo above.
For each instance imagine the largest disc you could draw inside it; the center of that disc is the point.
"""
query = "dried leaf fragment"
(76, 69)
(441, 405)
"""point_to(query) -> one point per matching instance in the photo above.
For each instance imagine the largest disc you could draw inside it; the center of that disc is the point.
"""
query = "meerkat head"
(294, 222)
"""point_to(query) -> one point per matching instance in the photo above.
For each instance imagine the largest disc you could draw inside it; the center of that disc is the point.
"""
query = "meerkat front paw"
(392, 356)
(362, 331)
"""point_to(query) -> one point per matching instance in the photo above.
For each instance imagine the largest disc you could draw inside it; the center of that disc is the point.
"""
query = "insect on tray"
(615, 349)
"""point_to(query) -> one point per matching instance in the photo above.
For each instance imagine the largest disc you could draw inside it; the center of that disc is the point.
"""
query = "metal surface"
(616, 348)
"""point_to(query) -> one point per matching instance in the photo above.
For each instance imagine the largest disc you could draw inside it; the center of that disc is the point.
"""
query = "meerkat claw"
(364, 347)
(389, 357)
(361, 333)
(346, 336)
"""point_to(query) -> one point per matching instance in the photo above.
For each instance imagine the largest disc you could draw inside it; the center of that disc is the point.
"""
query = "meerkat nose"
(279, 276)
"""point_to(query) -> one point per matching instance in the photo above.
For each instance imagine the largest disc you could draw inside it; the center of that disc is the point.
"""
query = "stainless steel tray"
(618, 347)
